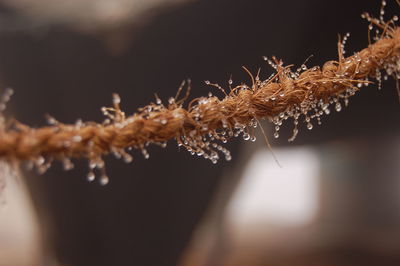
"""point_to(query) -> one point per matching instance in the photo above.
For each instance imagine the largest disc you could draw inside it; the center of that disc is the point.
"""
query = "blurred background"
(334, 201)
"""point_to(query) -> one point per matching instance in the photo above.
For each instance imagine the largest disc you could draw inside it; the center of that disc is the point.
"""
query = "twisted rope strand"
(306, 92)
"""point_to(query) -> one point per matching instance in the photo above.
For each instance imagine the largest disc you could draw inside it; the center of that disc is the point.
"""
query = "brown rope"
(307, 92)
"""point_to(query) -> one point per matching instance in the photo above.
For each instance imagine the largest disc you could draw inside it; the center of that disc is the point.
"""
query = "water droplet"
(338, 107)
(276, 135)
(90, 176)
(104, 180)
(79, 123)
(67, 164)
(100, 164)
(116, 99)
(92, 164)
(200, 152)
(127, 158)
(50, 120)
(40, 160)
(42, 169)
(309, 126)
(246, 136)
(146, 155)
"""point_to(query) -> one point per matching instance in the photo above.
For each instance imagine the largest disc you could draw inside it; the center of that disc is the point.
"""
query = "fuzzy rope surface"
(306, 92)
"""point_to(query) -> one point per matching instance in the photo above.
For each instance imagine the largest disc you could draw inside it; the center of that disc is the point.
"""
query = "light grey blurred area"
(20, 233)
(91, 15)
(115, 22)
